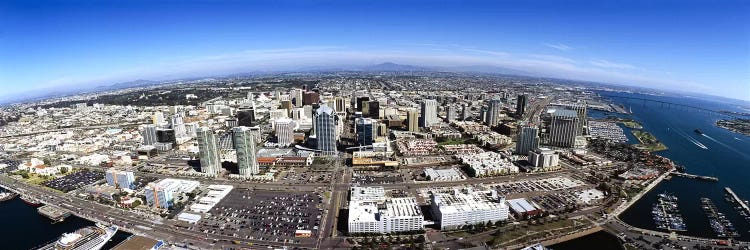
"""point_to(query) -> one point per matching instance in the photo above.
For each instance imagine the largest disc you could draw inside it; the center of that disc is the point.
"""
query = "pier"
(693, 176)
(56, 214)
(737, 199)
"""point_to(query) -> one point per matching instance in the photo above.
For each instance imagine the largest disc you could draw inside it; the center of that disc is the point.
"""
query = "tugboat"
(698, 131)
(31, 201)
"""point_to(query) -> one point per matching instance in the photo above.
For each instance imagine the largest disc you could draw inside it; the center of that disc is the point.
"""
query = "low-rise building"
(161, 194)
(370, 211)
(457, 208)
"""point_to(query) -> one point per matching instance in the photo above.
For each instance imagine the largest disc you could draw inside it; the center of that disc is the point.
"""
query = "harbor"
(666, 214)
(722, 227)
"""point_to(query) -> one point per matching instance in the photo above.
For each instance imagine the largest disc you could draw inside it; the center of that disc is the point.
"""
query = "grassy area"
(524, 233)
(632, 124)
(648, 141)
(453, 141)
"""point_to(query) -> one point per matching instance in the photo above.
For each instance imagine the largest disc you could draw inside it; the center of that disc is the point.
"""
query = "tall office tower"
(325, 130)
(360, 101)
(285, 131)
(450, 113)
(179, 126)
(340, 104)
(563, 128)
(310, 98)
(148, 132)
(521, 105)
(493, 113)
(158, 118)
(365, 131)
(466, 112)
(208, 151)
(374, 109)
(580, 109)
(165, 135)
(257, 133)
(191, 129)
(366, 109)
(308, 111)
(382, 129)
(246, 117)
(528, 139)
(298, 113)
(413, 120)
(429, 112)
(296, 96)
(250, 96)
(244, 144)
(287, 105)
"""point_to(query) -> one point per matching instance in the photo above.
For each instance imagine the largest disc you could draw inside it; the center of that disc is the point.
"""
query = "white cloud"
(611, 65)
(558, 46)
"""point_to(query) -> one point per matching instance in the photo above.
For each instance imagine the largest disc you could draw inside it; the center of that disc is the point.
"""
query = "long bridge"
(672, 104)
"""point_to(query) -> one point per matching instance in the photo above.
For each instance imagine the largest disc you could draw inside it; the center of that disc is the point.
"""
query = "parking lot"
(537, 185)
(264, 215)
(375, 178)
(303, 176)
(74, 181)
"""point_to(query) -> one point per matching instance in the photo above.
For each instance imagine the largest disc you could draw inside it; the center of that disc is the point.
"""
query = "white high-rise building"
(463, 207)
(148, 132)
(325, 130)
(544, 158)
(429, 112)
(244, 144)
(285, 131)
(208, 151)
(493, 114)
(371, 212)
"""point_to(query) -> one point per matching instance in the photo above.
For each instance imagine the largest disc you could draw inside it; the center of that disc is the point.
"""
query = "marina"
(666, 214)
(738, 204)
(721, 226)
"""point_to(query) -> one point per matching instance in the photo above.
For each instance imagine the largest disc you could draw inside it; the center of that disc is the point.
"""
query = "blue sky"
(700, 46)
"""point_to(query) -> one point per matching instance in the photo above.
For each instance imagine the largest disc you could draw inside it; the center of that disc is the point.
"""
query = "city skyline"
(689, 46)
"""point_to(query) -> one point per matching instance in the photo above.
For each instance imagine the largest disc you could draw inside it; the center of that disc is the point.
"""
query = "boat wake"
(727, 146)
(691, 139)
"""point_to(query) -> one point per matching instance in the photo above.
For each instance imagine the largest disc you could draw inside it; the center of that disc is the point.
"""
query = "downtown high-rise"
(208, 151)
(244, 145)
(325, 130)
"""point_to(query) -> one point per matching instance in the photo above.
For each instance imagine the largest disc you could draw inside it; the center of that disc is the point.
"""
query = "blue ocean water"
(718, 152)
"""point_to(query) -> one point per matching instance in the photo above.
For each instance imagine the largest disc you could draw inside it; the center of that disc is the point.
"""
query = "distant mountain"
(389, 66)
(125, 85)
(487, 69)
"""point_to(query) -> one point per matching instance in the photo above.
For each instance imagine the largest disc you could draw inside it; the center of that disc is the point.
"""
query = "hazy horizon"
(698, 47)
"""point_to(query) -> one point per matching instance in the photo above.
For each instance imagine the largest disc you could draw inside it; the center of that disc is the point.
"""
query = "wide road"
(133, 222)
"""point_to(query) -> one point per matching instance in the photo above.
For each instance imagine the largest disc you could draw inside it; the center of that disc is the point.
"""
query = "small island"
(741, 126)
(648, 141)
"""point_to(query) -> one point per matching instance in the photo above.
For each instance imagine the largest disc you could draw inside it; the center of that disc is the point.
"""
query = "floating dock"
(737, 199)
(693, 176)
(56, 214)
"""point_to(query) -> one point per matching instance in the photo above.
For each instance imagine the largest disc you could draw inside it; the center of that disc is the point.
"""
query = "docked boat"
(31, 201)
(6, 196)
(87, 238)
